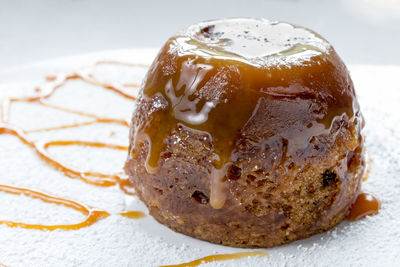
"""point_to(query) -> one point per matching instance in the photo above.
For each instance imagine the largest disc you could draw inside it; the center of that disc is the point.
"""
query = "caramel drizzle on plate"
(40, 147)
(220, 257)
(132, 214)
(94, 178)
(92, 214)
(44, 93)
(55, 82)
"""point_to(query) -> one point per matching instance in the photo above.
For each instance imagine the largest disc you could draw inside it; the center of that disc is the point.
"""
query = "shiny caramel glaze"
(221, 257)
(365, 205)
(218, 92)
(92, 214)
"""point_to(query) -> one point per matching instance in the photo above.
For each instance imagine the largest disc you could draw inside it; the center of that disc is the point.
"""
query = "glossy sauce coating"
(205, 82)
(365, 205)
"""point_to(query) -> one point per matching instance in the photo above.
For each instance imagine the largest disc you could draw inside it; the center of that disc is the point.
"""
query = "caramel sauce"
(92, 214)
(196, 85)
(83, 143)
(365, 205)
(98, 179)
(366, 173)
(54, 82)
(75, 125)
(223, 141)
(132, 214)
(94, 178)
(367, 168)
(221, 257)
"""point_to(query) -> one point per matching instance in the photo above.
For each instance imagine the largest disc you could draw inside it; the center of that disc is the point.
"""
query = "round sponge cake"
(247, 133)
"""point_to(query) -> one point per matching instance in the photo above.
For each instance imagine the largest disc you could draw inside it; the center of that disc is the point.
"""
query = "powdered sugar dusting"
(116, 240)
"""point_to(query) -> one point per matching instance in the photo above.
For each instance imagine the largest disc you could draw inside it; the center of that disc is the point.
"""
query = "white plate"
(118, 241)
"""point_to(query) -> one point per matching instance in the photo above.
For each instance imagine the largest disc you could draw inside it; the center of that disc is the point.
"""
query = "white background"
(362, 31)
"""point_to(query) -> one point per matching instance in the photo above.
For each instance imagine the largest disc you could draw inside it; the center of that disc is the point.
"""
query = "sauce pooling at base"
(213, 77)
(365, 205)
